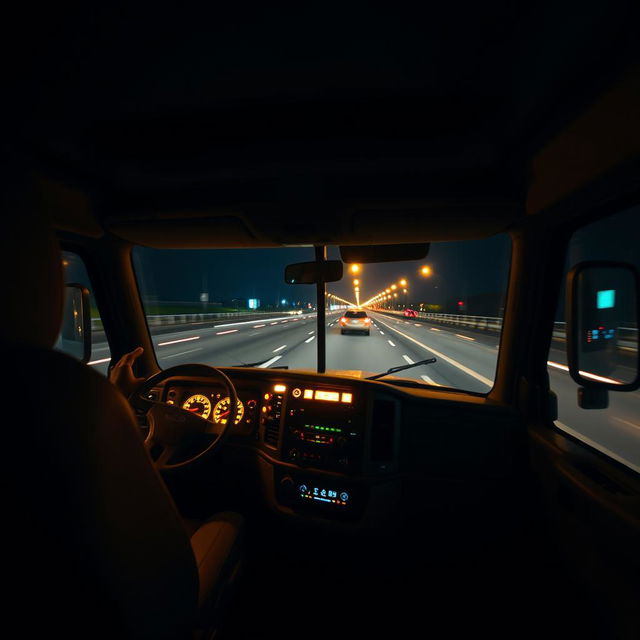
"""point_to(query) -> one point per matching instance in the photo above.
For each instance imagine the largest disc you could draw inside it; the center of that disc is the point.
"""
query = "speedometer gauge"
(221, 411)
(198, 404)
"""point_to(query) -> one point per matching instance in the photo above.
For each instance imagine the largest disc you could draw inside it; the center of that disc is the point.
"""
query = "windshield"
(231, 307)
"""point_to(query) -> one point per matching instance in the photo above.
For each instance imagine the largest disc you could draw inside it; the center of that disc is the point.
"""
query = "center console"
(323, 428)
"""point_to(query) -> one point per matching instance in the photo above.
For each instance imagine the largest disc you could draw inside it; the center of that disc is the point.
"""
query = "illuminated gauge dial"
(198, 404)
(221, 411)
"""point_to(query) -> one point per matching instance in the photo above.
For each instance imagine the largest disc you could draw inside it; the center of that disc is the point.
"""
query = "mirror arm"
(321, 256)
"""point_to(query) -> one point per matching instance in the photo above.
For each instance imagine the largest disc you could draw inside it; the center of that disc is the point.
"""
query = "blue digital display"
(606, 299)
(337, 497)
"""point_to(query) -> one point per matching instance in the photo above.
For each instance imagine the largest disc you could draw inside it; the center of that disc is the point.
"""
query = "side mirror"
(602, 307)
(313, 272)
(75, 337)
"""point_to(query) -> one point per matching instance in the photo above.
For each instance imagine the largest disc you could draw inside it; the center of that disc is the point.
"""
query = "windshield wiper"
(401, 368)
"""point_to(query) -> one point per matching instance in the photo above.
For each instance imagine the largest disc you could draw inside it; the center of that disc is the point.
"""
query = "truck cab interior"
(255, 492)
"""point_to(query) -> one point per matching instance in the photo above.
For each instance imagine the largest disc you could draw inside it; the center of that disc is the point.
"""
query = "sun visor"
(205, 232)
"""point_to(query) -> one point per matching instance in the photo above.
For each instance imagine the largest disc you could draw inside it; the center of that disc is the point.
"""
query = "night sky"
(460, 270)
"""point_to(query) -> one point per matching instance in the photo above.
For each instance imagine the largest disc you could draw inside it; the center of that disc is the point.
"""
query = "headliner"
(270, 127)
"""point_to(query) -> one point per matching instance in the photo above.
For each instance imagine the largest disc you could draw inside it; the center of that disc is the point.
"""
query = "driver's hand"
(122, 373)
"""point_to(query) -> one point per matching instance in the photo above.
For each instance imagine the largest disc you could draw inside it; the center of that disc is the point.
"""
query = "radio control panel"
(323, 428)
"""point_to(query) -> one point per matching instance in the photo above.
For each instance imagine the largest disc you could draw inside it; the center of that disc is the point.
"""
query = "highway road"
(466, 359)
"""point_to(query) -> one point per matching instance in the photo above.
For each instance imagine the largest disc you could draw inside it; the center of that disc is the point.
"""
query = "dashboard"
(340, 449)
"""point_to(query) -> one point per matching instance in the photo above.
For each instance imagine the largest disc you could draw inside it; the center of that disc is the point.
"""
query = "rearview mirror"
(366, 254)
(602, 326)
(313, 272)
(75, 336)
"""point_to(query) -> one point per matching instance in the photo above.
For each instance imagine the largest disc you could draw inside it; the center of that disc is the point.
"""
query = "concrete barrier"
(627, 336)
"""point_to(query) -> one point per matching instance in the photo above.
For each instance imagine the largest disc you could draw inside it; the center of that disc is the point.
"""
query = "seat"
(94, 544)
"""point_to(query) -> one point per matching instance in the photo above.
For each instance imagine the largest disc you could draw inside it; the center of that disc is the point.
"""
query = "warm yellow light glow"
(394, 287)
(347, 397)
(354, 268)
(308, 394)
(331, 396)
(425, 271)
(403, 283)
(388, 290)
(280, 388)
(356, 282)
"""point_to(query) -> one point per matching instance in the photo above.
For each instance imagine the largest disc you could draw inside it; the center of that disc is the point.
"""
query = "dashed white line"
(391, 343)
(257, 326)
(459, 335)
(221, 333)
(182, 353)
(442, 356)
(163, 344)
(417, 324)
(381, 332)
(434, 329)
(279, 348)
(102, 361)
(430, 381)
(408, 359)
(310, 339)
(273, 323)
(268, 363)
(310, 332)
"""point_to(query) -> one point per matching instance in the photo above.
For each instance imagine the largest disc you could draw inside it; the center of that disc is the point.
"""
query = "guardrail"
(171, 319)
(627, 336)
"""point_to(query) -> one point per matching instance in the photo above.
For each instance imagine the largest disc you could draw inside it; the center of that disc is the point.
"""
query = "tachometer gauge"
(221, 411)
(198, 404)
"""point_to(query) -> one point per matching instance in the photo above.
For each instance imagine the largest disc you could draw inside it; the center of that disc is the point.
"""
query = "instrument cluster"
(212, 404)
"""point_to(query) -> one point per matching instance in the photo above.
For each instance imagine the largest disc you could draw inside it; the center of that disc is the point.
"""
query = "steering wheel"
(175, 431)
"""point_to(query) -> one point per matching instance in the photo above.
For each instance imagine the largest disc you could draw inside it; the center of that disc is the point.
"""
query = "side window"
(614, 431)
(76, 272)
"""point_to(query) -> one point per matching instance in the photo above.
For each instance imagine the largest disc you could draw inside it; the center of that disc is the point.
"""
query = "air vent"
(383, 431)
(271, 432)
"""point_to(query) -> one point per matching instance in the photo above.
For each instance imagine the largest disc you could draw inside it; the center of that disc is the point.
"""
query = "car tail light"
(343, 320)
(367, 320)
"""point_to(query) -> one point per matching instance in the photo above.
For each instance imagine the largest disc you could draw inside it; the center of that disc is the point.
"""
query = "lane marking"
(381, 332)
(586, 374)
(596, 445)
(408, 359)
(235, 324)
(163, 344)
(221, 333)
(442, 356)
(182, 353)
(459, 335)
(434, 329)
(279, 348)
(631, 424)
(310, 332)
(102, 361)
(284, 321)
(430, 381)
(417, 324)
(264, 365)
(310, 339)
(257, 326)
(391, 343)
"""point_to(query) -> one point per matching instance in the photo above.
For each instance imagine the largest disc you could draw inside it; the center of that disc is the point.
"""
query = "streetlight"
(354, 268)
(425, 271)
(403, 283)
(394, 287)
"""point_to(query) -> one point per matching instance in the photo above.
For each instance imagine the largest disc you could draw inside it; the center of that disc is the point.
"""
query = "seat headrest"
(31, 270)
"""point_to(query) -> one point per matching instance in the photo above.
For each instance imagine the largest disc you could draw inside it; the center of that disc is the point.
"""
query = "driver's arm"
(122, 373)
